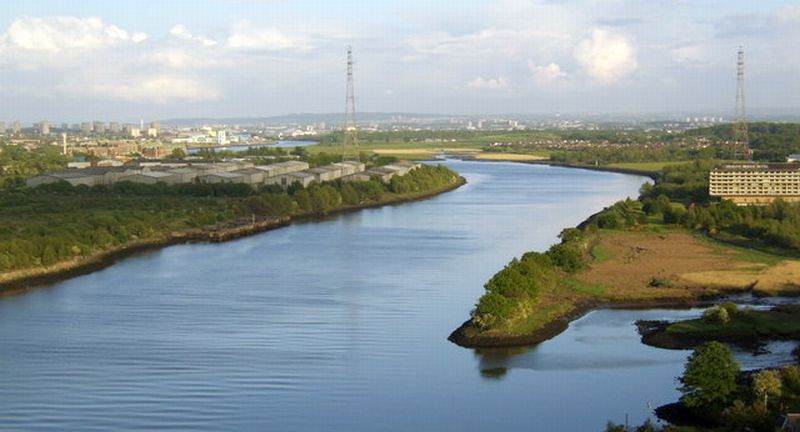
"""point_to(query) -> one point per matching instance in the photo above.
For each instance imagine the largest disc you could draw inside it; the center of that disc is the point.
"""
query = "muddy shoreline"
(560, 324)
(21, 281)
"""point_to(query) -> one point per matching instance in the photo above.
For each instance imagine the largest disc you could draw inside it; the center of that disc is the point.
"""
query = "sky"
(70, 61)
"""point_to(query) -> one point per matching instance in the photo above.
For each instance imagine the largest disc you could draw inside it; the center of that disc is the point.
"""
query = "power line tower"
(350, 125)
(741, 138)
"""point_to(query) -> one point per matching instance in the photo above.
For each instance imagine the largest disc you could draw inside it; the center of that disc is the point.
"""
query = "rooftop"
(760, 167)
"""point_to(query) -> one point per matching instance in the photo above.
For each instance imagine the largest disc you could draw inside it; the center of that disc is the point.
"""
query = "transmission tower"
(741, 139)
(350, 125)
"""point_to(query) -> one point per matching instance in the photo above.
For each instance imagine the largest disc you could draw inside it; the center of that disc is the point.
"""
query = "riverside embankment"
(21, 280)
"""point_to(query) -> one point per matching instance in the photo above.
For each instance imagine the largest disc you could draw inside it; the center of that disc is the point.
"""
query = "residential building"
(756, 183)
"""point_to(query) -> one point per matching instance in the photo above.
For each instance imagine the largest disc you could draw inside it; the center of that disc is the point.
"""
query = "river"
(335, 325)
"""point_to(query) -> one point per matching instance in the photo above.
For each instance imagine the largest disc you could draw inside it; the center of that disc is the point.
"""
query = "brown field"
(692, 266)
(781, 278)
(688, 268)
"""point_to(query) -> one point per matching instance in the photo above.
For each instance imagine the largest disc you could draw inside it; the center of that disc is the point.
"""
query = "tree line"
(42, 226)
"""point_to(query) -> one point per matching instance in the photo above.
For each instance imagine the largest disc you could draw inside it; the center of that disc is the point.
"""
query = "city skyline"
(71, 61)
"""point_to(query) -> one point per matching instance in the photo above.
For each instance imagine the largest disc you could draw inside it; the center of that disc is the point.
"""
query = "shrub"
(659, 282)
(716, 315)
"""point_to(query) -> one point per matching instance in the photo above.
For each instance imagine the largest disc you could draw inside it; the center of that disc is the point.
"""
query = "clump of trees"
(715, 390)
(18, 163)
(526, 278)
(52, 223)
(634, 153)
(680, 197)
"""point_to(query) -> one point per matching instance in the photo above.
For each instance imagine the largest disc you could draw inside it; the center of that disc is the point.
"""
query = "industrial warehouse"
(756, 183)
(283, 174)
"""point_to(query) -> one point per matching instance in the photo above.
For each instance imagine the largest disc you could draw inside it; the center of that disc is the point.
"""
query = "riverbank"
(654, 175)
(21, 280)
(728, 323)
(656, 267)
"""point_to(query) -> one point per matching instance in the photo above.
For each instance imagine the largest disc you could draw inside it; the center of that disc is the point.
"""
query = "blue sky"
(66, 60)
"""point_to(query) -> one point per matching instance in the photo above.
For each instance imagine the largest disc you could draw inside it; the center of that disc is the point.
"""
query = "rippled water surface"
(338, 325)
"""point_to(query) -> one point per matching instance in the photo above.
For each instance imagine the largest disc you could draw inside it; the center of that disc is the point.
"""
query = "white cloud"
(488, 83)
(177, 58)
(546, 74)
(159, 89)
(181, 32)
(607, 57)
(58, 34)
(246, 36)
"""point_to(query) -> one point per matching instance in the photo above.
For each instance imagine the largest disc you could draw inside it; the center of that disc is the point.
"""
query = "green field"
(655, 167)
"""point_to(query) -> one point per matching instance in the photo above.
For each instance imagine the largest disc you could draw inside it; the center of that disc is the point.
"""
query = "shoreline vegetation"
(726, 322)
(669, 248)
(299, 205)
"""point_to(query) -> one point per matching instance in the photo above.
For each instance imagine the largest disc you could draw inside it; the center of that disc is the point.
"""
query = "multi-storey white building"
(756, 183)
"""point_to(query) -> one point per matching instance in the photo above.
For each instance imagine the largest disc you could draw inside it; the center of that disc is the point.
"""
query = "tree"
(766, 383)
(709, 380)
(177, 153)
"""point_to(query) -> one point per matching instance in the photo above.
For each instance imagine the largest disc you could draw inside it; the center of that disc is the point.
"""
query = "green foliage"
(681, 197)
(622, 214)
(18, 164)
(52, 223)
(748, 417)
(766, 384)
(524, 279)
(634, 153)
(647, 426)
(717, 315)
(769, 141)
(709, 379)
(684, 183)
(568, 256)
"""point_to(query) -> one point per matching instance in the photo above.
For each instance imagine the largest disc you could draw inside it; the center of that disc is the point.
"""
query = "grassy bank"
(725, 323)
(672, 246)
(653, 266)
(99, 226)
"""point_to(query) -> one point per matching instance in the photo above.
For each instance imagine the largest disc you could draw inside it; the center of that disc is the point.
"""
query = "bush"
(659, 282)
(716, 315)
(568, 256)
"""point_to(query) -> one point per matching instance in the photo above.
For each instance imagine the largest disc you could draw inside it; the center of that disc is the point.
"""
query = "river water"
(337, 325)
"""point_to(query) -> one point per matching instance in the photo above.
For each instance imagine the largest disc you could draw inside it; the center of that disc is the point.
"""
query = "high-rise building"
(156, 126)
(132, 131)
(86, 128)
(99, 127)
(16, 127)
(44, 128)
(2, 128)
(113, 127)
